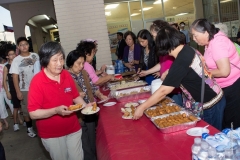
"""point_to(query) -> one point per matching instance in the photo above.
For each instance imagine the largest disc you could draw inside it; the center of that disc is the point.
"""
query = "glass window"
(210, 9)
(136, 16)
(152, 9)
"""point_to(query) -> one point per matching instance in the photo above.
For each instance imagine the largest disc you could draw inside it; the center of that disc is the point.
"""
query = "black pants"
(232, 109)
(2, 152)
(89, 137)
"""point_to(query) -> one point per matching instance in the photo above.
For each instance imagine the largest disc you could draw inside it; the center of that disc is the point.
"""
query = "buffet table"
(120, 139)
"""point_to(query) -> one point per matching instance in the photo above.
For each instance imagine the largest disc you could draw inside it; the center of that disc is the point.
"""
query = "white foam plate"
(197, 131)
(128, 117)
(109, 104)
(88, 110)
(142, 101)
(99, 102)
(131, 104)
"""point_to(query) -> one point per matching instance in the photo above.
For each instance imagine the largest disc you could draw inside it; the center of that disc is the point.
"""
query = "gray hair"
(223, 28)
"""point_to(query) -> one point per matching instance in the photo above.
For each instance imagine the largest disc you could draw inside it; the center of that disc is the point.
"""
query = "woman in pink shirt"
(224, 64)
(89, 48)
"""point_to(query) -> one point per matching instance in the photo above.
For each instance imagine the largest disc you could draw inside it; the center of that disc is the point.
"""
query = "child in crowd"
(10, 90)
(22, 71)
(3, 111)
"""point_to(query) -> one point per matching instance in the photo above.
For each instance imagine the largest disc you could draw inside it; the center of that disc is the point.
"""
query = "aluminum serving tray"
(169, 104)
(178, 127)
(126, 86)
(132, 97)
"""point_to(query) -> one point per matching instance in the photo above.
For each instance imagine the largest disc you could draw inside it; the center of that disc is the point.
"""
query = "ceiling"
(42, 21)
(171, 8)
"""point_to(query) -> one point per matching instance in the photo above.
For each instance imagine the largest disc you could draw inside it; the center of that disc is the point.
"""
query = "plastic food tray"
(135, 96)
(178, 127)
(169, 104)
(127, 85)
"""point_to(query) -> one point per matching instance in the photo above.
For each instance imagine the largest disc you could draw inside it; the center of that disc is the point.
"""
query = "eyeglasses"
(24, 44)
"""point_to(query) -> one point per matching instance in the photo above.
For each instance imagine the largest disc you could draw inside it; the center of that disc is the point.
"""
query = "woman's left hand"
(156, 74)
(103, 97)
(63, 110)
(138, 113)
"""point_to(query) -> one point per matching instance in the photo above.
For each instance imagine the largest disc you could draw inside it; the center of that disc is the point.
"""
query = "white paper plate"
(99, 102)
(128, 117)
(127, 105)
(109, 104)
(88, 110)
(142, 101)
(197, 131)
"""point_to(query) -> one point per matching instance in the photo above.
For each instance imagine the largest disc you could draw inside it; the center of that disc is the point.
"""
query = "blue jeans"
(177, 98)
(214, 115)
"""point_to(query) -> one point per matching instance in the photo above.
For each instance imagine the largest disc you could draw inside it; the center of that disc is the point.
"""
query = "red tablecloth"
(120, 139)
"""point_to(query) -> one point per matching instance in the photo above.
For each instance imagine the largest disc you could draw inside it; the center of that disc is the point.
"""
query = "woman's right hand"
(82, 94)
(129, 65)
(143, 73)
(9, 95)
(63, 110)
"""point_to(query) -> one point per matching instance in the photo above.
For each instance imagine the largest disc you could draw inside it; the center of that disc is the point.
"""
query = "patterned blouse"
(80, 80)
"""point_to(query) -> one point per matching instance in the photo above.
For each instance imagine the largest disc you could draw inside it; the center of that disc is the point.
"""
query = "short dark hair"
(158, 24)
(73, 56)
(167, 40)
(202, 25)
(120, 34)
(6, 53)
(131, 34)
(146, 35)
(20, 39)
(1, 60)
(48, 50)
(86, 47)
(182, 23)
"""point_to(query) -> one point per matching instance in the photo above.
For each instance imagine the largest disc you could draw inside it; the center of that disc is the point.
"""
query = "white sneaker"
(31, 132)
(15, 127)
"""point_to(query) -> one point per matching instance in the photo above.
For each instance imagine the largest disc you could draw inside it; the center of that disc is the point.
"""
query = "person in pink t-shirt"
(89, 49)
(224, 64)
(164, 64)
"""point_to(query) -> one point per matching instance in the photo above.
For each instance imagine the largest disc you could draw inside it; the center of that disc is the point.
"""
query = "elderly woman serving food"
(51, 93)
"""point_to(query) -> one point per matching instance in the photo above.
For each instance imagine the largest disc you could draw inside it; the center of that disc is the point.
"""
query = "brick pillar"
(81, 19)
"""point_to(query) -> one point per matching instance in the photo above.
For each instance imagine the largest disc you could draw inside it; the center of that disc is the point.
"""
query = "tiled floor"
(18, 146)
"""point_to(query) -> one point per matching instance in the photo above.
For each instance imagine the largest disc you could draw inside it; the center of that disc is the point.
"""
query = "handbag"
(195, 107)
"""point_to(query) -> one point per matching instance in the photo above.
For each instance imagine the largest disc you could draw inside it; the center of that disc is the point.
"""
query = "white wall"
(22, 12)
(81, 19)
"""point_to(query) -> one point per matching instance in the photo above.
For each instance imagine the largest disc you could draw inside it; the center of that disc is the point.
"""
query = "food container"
(131, 95)
(110, 69)
(126, 85)
(169, 105)
(177, 127)
(155, 85)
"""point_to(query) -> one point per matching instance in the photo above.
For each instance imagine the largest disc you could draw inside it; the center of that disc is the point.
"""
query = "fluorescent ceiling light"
(159, 1)
(225, 1)
(146, 8)
(180, 14)
(111, 6)
(46, 17)
(108, 14)
(135, 14)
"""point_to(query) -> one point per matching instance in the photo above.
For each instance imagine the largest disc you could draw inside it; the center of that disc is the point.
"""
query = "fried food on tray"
(74, 107)
(126, 114)
(160, 110)
(173, 120)
(94, 108)
(165, 101)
